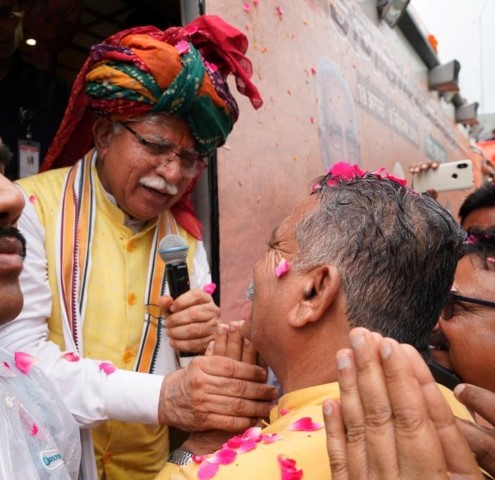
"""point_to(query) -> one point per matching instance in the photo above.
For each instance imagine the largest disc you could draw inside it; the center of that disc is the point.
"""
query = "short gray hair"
(396, 251)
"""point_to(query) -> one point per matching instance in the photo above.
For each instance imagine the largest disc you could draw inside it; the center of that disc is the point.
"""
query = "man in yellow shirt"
(362, 250)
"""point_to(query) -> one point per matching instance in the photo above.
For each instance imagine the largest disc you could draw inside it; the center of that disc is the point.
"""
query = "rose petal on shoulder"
(305, 424)
(207, 470)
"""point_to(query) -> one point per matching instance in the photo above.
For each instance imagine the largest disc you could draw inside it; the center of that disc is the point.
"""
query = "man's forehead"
(289, 223)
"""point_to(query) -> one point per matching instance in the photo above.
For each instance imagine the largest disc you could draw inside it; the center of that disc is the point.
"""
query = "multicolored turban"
(181, 71)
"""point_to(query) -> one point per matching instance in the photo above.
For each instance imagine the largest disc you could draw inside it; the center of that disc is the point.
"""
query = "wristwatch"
(180, 457)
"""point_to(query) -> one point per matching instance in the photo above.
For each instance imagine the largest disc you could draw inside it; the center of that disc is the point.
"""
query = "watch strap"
(180, 457)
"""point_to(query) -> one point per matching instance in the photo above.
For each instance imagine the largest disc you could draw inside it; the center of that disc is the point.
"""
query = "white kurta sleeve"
(91, 395)
(201, 270)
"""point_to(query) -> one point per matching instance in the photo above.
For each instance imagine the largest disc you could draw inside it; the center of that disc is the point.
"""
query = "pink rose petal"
(271, 437)
(210, 288)
(24, 362)
(107, 367)
(182, 47)
(282, 268)
(34, 430)
(305, 424)
(313, 70)
(207, 470)
(345, 171)
(247, 446)
(246, 6)
(289, 469)
(285, 411)
(70, 357)
(279, 11)
(32, 198)
(253, 433)
(255, 2)
(223, 456)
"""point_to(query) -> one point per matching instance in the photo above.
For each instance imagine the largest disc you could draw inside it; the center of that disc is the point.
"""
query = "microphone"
(173, 250)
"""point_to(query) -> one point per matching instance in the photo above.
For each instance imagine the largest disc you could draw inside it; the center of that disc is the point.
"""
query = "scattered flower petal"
(345, 171)
(470, 240)
(24, 362)
(211, 66)
(207, 470)
(313, 70)
(210, 288)
(107, 367)
(285, 411)
(255, 2)
(71, 357)
(182, 47)
(305, 424)
(312, 119)
(246, 6)
(32, 198)
(279, 11)
(289, 469)
(34, 430)
(223, 456)
(271, 437)
(490, 259)
(282, 268)
(6, 371)
(315, 187)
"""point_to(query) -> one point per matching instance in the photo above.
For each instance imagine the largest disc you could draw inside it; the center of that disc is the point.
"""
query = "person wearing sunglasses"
(464, 340)
(146, 109)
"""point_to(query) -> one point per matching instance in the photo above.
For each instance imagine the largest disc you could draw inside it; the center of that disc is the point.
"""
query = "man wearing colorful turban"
(146, 109)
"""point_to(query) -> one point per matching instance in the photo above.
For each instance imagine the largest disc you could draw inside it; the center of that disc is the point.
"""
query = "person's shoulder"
(51, 180)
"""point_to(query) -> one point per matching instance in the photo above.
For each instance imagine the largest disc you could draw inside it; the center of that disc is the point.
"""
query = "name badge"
(29, 158)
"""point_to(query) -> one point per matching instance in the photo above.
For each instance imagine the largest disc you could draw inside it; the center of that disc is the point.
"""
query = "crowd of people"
(365, 284)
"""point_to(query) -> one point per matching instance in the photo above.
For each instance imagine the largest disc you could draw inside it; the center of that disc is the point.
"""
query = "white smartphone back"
(448, 176)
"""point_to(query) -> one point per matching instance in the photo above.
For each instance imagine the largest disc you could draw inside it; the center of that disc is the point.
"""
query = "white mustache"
(160, 184)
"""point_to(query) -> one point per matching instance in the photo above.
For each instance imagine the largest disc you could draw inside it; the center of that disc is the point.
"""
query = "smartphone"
(443, 375)
(448, 176)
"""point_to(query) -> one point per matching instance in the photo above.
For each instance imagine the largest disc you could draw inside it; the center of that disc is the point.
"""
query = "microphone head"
(173, 249)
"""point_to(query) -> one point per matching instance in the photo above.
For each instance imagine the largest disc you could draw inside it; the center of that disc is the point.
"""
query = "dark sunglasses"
(453, 298)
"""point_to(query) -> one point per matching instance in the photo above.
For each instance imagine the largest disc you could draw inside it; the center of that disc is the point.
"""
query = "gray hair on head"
(396, 251)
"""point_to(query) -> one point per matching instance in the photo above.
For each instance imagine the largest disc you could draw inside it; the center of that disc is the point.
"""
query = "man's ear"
(320, 287)
(102, 131)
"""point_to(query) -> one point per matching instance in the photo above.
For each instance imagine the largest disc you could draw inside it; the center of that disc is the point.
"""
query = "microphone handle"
(178, 283)
(177, 278)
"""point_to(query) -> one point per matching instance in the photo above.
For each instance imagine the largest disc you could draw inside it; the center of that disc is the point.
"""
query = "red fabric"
(488, 147)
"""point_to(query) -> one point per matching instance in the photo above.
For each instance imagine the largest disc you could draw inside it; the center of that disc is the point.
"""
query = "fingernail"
(343, 361)
(327, 408)
(357, 340)
(385, 350)
(221, 328)
(247, 341)
(459, 389)
(232, 327)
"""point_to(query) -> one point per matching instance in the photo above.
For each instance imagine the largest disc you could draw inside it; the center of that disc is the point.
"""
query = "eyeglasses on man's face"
(453, 298)
(161, 154)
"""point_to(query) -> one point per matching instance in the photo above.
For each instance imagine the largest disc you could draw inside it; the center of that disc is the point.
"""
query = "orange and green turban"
(181, 71)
